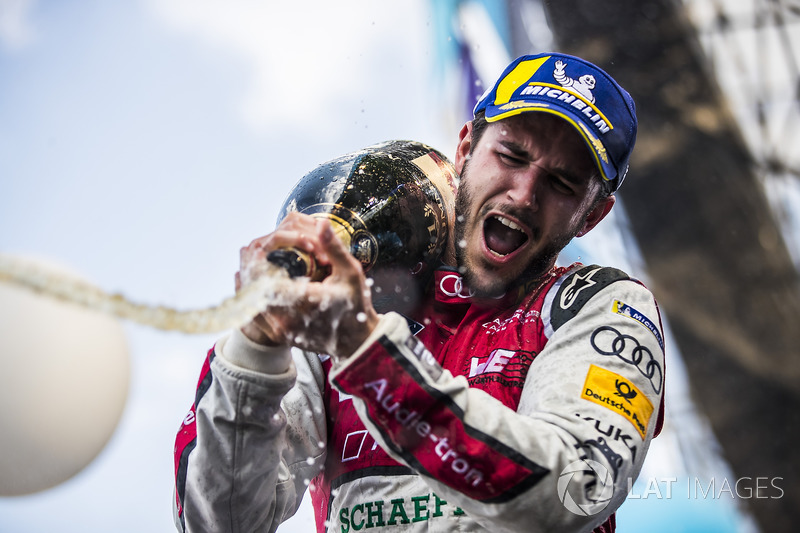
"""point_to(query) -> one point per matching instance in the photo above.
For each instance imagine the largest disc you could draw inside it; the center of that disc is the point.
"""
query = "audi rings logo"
(609, 341)
(452, 285)
(590, 481)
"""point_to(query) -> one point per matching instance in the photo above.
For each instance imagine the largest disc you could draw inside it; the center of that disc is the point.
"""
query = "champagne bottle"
(390, 203)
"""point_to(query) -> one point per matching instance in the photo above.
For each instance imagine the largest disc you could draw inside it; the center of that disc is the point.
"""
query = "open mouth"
(503, 236)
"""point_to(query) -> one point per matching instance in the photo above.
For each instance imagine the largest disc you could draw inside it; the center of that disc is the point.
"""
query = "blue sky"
(142, 143)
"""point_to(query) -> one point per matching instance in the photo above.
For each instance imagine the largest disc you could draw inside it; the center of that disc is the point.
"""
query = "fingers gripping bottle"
(391, 204)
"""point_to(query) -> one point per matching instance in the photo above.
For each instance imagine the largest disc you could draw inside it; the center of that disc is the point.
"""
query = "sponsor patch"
(398, 511)
(609, 433)
(506, 368)
(578, 288)
(609, 341)
(618, 394)
(621, 308)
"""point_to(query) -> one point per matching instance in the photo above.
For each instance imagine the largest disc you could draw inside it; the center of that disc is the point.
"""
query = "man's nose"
(524, 190)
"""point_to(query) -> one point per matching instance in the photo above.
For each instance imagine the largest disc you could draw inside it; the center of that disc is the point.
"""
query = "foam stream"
(272, 285)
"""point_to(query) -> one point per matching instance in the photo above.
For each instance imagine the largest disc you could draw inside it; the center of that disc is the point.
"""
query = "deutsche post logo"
(618, 394)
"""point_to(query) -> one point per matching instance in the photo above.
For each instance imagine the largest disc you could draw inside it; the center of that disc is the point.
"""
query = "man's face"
(527, 188)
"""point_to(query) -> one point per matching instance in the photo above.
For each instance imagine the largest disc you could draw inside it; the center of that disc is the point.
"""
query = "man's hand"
(332, 316)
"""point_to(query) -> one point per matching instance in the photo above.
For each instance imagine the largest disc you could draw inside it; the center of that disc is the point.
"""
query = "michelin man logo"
(591, 484)
(582, 85)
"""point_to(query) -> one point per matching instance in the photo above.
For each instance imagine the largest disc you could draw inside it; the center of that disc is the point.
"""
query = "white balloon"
(64, 378)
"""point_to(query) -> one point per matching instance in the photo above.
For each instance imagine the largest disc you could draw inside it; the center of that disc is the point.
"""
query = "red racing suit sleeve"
(252, 441)
(566, 458)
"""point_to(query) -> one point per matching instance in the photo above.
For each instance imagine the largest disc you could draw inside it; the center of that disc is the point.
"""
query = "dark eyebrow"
(515, 149)
(571, 177)
(565, 173)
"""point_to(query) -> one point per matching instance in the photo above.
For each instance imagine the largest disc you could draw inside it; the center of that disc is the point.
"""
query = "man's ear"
(597, 214)
(464, 144)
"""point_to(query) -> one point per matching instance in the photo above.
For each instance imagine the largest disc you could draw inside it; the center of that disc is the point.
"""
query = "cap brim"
(598, 151)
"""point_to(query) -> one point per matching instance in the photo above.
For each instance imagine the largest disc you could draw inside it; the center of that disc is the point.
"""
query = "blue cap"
(580, 93)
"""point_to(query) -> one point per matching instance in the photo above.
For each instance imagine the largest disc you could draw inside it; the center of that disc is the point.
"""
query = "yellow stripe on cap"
(517, 77)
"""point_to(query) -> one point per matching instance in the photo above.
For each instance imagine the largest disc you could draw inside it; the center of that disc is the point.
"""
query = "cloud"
(16, 30)
(303, 55)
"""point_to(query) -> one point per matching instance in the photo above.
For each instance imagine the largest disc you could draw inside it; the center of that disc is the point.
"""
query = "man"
(528, 397)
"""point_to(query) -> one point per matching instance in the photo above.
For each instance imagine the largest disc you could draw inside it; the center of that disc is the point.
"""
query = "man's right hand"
(333, 315)
(295, 231)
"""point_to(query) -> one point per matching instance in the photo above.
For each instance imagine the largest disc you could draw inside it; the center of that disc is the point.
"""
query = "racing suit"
(532, 412)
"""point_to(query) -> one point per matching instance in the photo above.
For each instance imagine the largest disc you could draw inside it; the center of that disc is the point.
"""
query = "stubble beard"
(495, 286)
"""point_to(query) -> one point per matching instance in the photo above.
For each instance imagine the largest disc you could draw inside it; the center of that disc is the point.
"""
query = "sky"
(142, 143)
